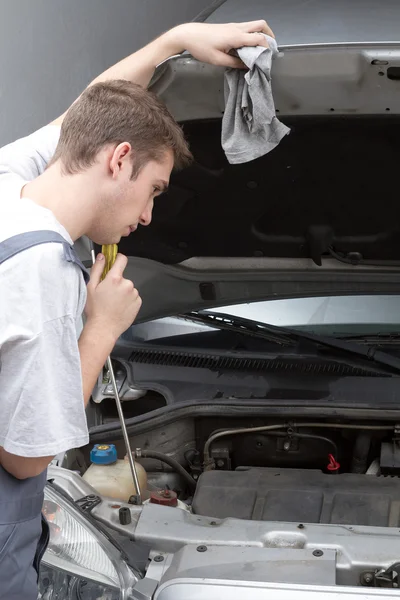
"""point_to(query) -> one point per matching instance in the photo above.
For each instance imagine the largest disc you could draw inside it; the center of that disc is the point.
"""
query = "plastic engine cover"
(299, 495)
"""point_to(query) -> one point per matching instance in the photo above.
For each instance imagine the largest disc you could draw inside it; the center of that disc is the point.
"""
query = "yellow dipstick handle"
(110, 252)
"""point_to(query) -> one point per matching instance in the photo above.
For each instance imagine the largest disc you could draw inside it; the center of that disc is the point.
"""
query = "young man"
(97, 176)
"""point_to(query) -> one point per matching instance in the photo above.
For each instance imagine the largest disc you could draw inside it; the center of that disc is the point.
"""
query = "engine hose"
(228, 432)
(307, 436)
(360, 452)
(168, 460)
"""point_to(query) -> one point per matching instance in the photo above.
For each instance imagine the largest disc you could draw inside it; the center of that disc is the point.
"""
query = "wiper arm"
(286, 335)
(239, 325)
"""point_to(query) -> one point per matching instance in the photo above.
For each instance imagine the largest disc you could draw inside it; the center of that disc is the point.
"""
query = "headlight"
(80, 563)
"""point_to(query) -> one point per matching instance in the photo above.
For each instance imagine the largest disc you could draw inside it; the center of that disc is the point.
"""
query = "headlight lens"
(80, 562)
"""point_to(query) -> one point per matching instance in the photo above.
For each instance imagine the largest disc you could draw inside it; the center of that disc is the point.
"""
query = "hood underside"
(319, 215)
(329, 187)
(316, 216)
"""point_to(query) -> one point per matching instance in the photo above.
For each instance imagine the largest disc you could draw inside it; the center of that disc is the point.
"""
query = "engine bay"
(294, 472)
(311, 502)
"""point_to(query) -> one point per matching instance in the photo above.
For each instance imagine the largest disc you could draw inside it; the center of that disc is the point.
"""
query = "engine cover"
(299, 495)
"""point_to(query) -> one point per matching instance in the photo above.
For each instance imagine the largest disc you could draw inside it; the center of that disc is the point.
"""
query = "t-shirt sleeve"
(44, 381)
(28, 157)
(41, 392)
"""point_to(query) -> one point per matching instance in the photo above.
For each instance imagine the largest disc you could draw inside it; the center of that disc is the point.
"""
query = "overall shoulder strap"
(22, 241)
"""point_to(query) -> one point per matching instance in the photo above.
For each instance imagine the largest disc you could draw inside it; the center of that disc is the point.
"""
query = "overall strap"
(22, 241)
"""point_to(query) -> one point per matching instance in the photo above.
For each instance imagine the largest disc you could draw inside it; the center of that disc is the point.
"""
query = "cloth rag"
(250, 128)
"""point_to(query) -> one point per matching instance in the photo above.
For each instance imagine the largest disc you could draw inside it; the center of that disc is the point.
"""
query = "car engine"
(361, 489)
(299, 495)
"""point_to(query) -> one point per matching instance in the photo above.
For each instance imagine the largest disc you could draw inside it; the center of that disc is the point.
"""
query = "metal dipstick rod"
(138, 496)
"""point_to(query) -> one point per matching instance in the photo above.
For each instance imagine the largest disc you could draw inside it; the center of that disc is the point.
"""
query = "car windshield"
(337, 316)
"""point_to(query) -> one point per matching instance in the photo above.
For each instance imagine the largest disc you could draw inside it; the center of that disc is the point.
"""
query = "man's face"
(129, 203)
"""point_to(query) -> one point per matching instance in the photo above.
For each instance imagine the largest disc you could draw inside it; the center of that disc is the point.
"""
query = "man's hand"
(212, 43)
(112, 306)
(114, 302)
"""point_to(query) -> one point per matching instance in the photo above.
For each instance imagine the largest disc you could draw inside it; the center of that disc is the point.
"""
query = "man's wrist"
(170, 44)
(99, 332)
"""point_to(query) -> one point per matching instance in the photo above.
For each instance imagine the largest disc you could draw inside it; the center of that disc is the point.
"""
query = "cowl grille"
(176, 358)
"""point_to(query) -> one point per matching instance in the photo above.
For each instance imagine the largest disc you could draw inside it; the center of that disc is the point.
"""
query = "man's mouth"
(130, 229)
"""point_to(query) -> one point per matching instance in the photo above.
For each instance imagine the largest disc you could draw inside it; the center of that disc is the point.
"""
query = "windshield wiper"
(248, 327)
(374, 338)
(286, 336)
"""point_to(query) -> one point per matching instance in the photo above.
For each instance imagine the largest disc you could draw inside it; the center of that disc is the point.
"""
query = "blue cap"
(103, 454)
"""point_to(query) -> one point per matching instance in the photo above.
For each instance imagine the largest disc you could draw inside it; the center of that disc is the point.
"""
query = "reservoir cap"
(103, 454)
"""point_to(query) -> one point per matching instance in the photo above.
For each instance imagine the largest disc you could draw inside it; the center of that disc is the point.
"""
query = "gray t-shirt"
(42, 297)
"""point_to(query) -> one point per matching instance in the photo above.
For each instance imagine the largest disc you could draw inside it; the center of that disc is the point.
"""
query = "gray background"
(51, 49)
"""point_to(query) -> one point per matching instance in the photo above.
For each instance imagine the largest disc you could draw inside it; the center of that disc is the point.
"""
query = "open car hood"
(319, 215)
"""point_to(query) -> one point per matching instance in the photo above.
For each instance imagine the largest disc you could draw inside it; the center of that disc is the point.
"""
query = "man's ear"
(121, 159)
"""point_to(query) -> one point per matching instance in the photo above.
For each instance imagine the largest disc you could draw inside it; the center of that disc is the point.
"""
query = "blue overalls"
(24, 533)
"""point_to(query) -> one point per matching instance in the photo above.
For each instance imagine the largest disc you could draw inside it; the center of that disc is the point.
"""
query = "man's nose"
(145, 217)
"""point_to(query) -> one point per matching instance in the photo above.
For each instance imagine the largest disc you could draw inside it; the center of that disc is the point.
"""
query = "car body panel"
(309, 22)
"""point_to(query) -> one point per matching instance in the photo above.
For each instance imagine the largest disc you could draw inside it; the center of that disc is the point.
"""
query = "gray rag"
(250, 127)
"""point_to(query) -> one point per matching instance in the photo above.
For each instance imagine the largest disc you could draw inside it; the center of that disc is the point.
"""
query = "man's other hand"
(212, 43)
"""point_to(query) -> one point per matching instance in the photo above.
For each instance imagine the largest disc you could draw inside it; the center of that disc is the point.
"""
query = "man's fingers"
(97, 270)
(118, 267)
(227, 60)
(253, 26)
(255, 39)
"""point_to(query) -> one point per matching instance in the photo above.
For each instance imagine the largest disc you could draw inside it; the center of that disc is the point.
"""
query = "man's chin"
(107, 241)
